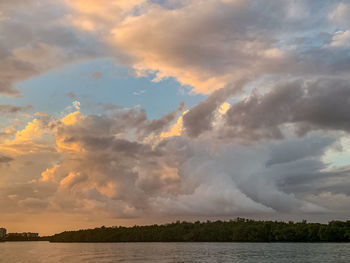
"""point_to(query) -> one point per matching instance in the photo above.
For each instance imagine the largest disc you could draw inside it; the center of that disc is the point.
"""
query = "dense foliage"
(21, 238)
(239, 230)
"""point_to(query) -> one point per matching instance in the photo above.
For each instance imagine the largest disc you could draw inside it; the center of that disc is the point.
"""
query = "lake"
(46, 252)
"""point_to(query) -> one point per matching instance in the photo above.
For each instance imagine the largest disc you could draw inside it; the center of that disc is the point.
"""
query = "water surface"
(37, 252)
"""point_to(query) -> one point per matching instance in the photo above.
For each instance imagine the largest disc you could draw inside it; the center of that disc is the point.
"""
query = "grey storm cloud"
(200, 117)
(309, 105)
(294, 150)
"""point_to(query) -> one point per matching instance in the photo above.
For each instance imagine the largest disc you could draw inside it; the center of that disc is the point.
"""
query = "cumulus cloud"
(33, 138)
(107, 163)
(192, 178)
(108, 168)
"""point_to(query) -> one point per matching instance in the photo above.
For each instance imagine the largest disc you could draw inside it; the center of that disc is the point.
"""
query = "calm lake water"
(45, 252)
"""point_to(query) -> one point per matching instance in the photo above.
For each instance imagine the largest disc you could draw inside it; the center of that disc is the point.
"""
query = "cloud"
(341, 39)
(340, 15)
(92, 16)
(107, 163)
(11, 109)
(37, 47)
(201, 117)
(176, 129)
(5, 159)
(294, 150)
(199, 51)
(76, 105)
(33, 204)
(33, 138)
(49, 173)
(138, 93)
(156, 126)
(307, 105)
(217, 44)
(117, 171)
(71, 95)
(97, 75)
(221, 42)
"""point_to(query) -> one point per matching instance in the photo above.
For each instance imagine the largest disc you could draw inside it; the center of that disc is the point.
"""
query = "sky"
(124, 112)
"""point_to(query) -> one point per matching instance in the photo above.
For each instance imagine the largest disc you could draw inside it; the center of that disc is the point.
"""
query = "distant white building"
(2, 233)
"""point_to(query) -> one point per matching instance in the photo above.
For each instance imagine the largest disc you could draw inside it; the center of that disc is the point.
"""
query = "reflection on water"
(28, 252)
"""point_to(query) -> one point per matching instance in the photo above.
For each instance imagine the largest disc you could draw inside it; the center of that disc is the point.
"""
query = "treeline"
(21, 238)
(239, 230)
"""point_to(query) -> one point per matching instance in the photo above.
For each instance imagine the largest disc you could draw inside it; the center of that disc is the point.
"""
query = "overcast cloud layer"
(268, 141)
